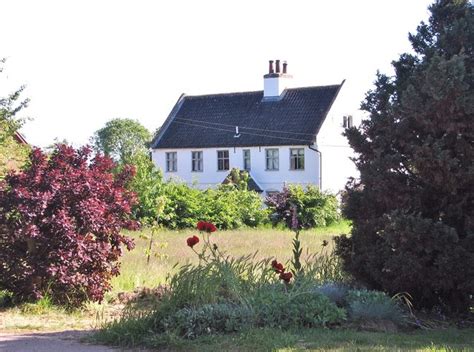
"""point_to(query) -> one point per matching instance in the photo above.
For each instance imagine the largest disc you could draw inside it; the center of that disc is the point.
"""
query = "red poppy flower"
(278, 267)
(192, 241)
(206, 226)
(286, 277)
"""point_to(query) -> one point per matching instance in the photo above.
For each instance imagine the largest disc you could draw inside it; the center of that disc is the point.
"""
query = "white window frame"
(272, 159)
(171, 161)
(223, 160)
(298, 157)
(197, 161)
(247, 165)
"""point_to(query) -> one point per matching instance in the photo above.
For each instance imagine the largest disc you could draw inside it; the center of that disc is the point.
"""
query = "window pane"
(196, 163)
(171, 161)
(272, 159)
(222, 160)
(246, 159)
(297, 159)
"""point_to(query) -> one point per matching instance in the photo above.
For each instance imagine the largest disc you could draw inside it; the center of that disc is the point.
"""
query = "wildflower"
(192, 241)
(286, 276)
(278, 267)
(206, 226)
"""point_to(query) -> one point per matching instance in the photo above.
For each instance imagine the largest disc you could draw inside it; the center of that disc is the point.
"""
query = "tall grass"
(170, 248)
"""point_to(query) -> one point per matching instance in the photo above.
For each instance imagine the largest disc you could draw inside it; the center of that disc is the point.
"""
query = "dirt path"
(65, 341)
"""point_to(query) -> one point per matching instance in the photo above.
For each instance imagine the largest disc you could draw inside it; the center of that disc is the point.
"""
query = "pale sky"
(86, 62)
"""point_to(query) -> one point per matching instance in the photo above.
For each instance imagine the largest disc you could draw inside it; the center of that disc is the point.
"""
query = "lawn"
(327, 340)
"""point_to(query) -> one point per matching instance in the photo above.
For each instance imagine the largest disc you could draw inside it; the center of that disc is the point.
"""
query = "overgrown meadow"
(169, 248)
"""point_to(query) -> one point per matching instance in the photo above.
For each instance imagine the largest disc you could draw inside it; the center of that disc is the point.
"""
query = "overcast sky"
(86, 62)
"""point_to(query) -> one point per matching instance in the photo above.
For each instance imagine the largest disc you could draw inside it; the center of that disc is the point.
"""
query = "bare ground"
(64, 341)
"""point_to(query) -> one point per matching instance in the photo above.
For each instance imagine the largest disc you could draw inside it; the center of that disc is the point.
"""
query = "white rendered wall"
(267, 180)
(336, 152)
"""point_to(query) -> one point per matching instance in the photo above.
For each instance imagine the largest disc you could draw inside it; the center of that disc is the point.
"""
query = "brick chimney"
(275, 81)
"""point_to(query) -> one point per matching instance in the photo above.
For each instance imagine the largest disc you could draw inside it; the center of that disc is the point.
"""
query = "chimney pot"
(285, 65)
(277, 66)
(270, 66)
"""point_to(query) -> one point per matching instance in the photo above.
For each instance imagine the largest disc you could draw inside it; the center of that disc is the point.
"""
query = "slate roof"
(208, 121)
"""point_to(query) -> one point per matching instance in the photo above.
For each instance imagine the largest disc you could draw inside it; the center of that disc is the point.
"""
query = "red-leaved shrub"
(60, 223)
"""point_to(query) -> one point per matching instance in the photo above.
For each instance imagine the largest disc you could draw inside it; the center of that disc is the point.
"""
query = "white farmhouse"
(274, 134)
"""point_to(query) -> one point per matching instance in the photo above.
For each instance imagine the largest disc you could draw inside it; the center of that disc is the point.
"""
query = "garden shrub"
(191, 322)
(60, 223)
(182, 206)
(336, 292)
(277, 307)
(227, 206)
(314, 208)
(364, 305)
(5, 298)
(148, 185)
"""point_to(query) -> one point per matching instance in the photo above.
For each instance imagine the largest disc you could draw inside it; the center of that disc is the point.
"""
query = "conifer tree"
(413, 206)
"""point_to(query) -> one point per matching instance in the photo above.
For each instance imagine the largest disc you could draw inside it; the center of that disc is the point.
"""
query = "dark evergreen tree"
(413, 206)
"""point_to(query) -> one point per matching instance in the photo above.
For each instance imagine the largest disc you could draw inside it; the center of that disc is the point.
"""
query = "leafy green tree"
(413, 206)
(148, 185)
(12, 153)
(122, 140)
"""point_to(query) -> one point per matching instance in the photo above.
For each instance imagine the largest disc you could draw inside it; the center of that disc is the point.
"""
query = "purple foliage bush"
(60, 223)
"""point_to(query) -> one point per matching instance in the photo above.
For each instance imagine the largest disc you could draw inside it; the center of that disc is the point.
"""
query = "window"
(222, 160)
(172, 162)
(272, 160)
(246, 153)
(297, 159)
(196, 161)
(347, 122)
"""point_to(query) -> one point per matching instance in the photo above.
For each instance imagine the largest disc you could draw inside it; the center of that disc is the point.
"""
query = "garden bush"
(276, 306)
(336, 292)
(227, 206)
(314, 208)
(60, 223)
(365, 305)
(148, 185)
(209, 319)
